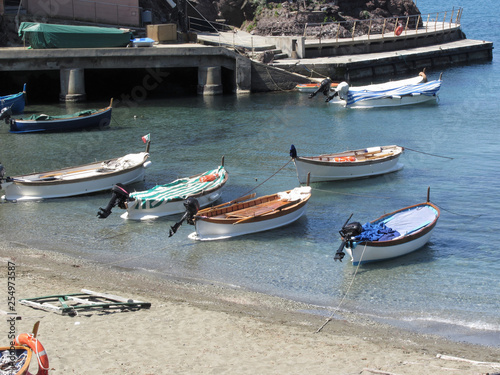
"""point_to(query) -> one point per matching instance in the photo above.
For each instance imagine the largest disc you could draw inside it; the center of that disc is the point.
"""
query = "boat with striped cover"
(390, 94)
(15, 102)
(237, 218)
(168, 199)
(366, 162)
(392, 235)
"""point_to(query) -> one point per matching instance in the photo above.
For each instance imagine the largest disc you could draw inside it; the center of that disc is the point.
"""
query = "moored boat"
(86, 119)
(15, 102)
(391, 235)
(389, 94)
(168, 199)
(76, 180)
(238, 218)
(346, 165)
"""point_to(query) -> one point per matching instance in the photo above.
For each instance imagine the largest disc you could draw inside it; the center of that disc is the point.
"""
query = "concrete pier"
(209, 80)
(72, 85)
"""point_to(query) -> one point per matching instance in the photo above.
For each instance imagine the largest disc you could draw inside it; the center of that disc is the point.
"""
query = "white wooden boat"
(392, 235)
(346, 165)
(168, 199)
(255, 215)
(389, 94)
(77, 180)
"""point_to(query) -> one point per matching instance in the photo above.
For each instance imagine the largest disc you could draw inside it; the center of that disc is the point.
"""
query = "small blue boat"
(87, 119)
(16, 102)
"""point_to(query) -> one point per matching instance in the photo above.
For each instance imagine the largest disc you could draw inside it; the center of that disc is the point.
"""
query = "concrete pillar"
(243, 75)
(209, 80)
(72, 85)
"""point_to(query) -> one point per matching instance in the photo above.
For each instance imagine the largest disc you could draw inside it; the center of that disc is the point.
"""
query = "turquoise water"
(450, 287)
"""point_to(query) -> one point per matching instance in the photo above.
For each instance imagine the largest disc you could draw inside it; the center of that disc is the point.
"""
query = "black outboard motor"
(118, 198)
(324, 87)
(192, 207)
(330, 97)
(293, 152)
(2, 172)
(347, 232)
(5, 114)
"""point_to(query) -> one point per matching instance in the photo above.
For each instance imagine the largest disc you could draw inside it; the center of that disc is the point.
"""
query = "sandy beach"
(200, 328)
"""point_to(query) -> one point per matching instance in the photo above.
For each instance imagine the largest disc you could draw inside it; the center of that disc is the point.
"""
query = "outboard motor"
(192, 207)
(347, 232)
(118, 198)
(2, 172)
(324, 87)
(5, 114)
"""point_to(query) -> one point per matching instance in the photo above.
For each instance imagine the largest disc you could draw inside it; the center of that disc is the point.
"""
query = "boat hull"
(324, 168)
(16, 102)
(395, 101)
(362, 254)
(208, 231)
(136, 212)
(100, 119)
(72, 183)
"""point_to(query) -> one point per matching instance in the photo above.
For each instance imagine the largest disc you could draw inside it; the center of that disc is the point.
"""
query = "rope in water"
(329, 319)
(426, 153)
(267, 179)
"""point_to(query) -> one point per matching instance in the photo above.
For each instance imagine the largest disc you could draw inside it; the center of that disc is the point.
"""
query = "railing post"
(444, 19)
(418, 23)
(369, 28)
(353, 30)
(452, 13)
(406, 27)
(383, 27)
(435, 22)
(338, 31)
(427, 23)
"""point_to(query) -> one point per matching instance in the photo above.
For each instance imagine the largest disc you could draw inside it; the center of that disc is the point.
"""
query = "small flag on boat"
(146, 138)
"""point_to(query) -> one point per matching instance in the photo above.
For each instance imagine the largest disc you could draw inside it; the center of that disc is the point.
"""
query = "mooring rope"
(426, 153)
(267, 179)
(329, 319)
(272, 79)
(351, 194)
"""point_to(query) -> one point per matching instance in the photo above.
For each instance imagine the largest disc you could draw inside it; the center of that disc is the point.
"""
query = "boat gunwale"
(405, 238)
(78, 180)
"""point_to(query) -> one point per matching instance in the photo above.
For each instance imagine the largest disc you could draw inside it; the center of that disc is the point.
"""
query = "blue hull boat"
(88, 119)
(16, 102)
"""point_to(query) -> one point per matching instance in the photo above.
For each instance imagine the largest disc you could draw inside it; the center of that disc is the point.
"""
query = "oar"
(67, 172)
(249, 196)
(268, 211)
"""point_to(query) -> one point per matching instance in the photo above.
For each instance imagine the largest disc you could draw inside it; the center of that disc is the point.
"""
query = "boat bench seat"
(255, 210)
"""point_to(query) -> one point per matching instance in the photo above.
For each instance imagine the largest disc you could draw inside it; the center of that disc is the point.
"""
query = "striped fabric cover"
(428, 88)
(179, 189)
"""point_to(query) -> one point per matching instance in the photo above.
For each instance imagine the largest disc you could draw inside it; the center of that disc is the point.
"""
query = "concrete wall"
(115, 12)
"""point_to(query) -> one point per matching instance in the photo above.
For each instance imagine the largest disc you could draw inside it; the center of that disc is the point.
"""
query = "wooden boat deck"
(256, 210)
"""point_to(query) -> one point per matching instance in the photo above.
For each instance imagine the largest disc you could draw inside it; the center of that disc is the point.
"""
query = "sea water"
(450, 286)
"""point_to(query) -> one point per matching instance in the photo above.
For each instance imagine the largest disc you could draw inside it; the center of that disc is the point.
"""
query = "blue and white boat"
(15, 102)
(392, 235)
(390, 94)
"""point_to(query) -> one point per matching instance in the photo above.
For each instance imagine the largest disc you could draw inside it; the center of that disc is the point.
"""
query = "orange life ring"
(209, 177)
(37, 347)
(398, 30)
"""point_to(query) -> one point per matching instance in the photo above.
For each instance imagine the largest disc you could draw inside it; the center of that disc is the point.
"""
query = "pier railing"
(402, 25)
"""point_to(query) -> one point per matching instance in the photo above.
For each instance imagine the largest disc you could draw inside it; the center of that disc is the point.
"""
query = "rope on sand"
(329, 319)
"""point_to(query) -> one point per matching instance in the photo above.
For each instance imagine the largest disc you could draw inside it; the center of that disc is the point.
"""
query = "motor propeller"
(118, 198)
(192, 207)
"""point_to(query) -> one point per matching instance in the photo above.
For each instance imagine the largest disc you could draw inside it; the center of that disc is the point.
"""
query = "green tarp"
(43, 35)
